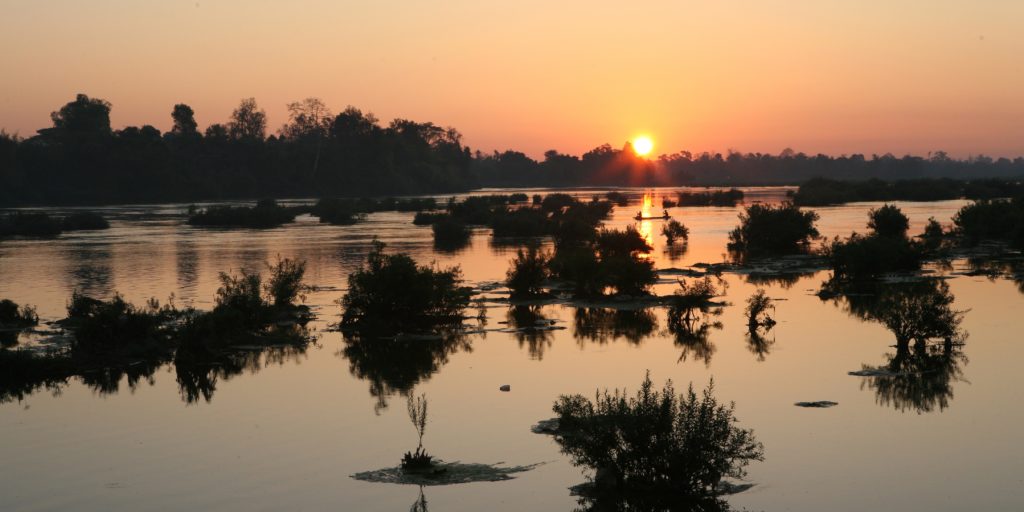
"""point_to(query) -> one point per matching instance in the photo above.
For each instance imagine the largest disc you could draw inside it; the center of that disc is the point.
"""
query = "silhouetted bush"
(12, 315)
(428, 218)
(617, 197)
(656, 442)
(420, 459)
(674, 230)
(998, 220)
(715, 198)
(285, 285)
(579, 265)
(392, 293)
(933, 236)
(862, 257)
(340, 212)
(29, 224)
(758, 305)
(119, 326)
(521, 222)
(620, 263)
(82, 221)
(888, 221)
(450, 234)
(823, 192)
(528, 273)
(266, 214)
(766, 230)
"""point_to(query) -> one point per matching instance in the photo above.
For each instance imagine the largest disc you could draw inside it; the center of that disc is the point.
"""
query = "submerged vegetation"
(656, 442)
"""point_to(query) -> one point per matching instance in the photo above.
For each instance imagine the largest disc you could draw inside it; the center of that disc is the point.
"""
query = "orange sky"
(818, 76)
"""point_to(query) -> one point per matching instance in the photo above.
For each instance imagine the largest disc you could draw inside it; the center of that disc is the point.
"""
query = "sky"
(836, 77)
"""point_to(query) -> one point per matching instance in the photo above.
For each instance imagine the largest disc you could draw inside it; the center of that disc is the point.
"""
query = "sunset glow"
(643, 145)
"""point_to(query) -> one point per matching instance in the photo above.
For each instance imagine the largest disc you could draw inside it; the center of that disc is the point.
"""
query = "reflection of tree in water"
(1012, 269)
(676, 251)
(784, 280)
(759, 344)
(602, 325)
(396, 364)
(198, 378)
(107, 381)
(648, 502)
(692, 326)
(529, 323)
(917, 377)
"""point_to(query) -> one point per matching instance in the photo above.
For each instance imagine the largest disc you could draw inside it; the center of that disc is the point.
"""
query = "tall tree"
(85, 115)
(184, 121)
(248, 121)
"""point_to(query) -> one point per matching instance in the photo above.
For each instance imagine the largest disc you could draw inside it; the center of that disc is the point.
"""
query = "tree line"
(81, 159)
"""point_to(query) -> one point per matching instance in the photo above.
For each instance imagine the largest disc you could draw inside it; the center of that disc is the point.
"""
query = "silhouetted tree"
(248, 121)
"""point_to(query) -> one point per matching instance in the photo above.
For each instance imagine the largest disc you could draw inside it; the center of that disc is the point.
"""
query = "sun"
(643, 145)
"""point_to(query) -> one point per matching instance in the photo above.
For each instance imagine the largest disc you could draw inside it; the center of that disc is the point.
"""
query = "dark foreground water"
(286, 432)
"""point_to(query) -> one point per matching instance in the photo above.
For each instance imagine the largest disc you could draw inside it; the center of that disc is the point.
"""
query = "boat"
(640, 216)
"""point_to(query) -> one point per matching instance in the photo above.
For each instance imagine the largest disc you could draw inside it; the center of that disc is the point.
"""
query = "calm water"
(287, 433)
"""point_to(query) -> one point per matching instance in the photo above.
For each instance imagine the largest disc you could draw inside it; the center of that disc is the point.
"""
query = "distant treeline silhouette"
(80, 159)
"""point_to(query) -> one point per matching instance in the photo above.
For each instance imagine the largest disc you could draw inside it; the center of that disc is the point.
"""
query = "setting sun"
(643, 145)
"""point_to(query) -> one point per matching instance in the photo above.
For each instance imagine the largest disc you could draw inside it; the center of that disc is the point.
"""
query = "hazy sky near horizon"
(868, 76)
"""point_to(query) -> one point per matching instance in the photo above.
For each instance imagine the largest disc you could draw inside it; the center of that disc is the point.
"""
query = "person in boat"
(664, 213)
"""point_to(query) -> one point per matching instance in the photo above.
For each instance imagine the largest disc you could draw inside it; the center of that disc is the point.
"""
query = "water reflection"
(396, 364)
(420, 505)
(530, 327)
(920, 377)
(758, 342)
(602, 325)
(197, 378)
(691, 327)
(637, 502)
(90, 270)
(187, 264)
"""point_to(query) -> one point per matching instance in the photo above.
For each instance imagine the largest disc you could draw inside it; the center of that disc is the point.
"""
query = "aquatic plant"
(528, 273)
(769, 230)
(450, 234)
(888, 221)
(393, 293)
(285, 285)
(265, 214)
(656, 442)
(29, 224)
(674, 230)
(757, 308)
(420, 459)
(116, 325)
(13, 315)
(82, 221)
(995, 220)
(714, 198)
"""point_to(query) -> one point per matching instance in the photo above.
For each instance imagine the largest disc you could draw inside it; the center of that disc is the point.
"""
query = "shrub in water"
(674, 230)
(656, 441)
(766, 229)
(392, 292)
(29, 224)
(528, 273)
(12, 315)
(888, 221)
(82, 221)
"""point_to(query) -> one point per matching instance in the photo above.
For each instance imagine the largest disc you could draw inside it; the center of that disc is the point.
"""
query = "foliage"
(266, 214)
(674, 230)
(392, 292)
(117, 325)
(81, 221)
(758, 305)
(766, 229)
(29, 224)
(285, 285)
(888, 221)
(999, 220)
(715, 198)
(12, 315)
(528, 273)
(450, 233)
(865, 257)
(656, 441)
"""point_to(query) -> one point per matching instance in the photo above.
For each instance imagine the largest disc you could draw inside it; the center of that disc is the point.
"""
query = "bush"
(674, 230)
(716, 198)
(450, 233)
(998, 220)
(933, 235)
(522, 222)
(391, 292)
(418, 460)
(618, 198)
(29, 224)
(656, 441)
(864, 257)
(580, 266)
(12, 315)
(888, 221)
(285, 285)
(765, 229)
(528, 273)
(117, 325)
(243, 295)
(339, 212)
(82, 221)
(266, 214)
(757, 311)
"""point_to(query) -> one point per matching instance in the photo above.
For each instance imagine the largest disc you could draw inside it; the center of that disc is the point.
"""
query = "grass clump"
(656, 442)
(392, 293)
(418, 460)
(773, 230)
